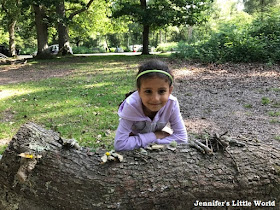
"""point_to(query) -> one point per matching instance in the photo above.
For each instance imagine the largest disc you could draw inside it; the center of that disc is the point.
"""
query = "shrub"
(164, 47)
(239, 40)
(87, 50)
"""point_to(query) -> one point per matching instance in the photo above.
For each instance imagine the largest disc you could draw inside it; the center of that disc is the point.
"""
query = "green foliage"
(86, 50)
(162, 12)
(248, 106)
(2, 148)
(239, 40)
(253, 6)
(277, 138)
(274, 113)
(265, 101)
(164, 47)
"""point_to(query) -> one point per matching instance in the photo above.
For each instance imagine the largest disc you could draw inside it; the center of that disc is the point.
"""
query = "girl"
(145, 112)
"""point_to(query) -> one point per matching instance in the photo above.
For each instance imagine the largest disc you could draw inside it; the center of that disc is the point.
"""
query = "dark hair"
(154, 65)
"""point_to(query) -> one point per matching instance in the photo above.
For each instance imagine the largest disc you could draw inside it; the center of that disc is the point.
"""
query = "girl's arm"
(178, 126)
(124, 141)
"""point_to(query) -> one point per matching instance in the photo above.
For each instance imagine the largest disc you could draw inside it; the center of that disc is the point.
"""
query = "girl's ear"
(170, 89)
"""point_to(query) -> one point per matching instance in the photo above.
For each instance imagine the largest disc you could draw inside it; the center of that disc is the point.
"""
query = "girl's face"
(154, 93)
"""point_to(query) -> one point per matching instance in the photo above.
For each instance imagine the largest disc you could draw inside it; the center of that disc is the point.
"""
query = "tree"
(91, 24)
(41, 29)
(51, 12)
(156, 14)
(63, 21)
(58, 176)
(252, 6)
(11, 10)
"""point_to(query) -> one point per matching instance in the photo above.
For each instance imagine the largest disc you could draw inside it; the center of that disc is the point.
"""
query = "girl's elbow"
(118, 146)
(122, 146)
(182, 140)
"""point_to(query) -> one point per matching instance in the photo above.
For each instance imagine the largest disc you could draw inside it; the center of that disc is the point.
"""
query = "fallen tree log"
(59, 177)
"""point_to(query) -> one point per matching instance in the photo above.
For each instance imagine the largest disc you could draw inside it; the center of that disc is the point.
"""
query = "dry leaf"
(29, 156)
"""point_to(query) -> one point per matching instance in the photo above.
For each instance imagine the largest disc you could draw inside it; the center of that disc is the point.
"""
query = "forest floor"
(242, 99)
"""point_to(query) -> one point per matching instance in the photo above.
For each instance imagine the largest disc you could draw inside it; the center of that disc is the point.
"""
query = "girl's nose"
(155, 98)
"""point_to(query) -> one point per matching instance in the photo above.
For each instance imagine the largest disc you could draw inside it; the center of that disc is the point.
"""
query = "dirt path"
(243, 99)
(11, 74)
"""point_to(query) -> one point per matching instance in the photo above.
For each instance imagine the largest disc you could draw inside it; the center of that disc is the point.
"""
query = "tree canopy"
(99, 25)
(157, 14)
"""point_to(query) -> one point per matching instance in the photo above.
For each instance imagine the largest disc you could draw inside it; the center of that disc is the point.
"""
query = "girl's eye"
(161, 92)
(148, 91)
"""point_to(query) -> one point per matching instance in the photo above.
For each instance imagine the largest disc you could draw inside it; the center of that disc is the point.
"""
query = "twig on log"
(216, 142)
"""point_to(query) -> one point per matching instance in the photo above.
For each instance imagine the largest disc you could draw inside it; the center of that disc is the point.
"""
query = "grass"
(265, 101)
(274, 113)
(82, 105)
(2, 148)
(248, 106)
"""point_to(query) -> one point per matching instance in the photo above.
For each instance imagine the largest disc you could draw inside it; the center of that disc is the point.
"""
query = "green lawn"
(82, 105)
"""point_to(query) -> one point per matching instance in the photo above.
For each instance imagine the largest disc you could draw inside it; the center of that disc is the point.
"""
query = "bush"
(28, 51)
(164, 47)
(234, 41)
(87, 50)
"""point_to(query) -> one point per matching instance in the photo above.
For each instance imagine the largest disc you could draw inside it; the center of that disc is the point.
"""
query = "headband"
(156, 71)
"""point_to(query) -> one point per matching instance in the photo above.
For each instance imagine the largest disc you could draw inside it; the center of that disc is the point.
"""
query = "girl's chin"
(153, 108)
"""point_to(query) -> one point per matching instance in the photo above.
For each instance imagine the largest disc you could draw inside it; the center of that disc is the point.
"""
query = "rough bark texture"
(12, 41)
(62, 28)
(146, 31)
(67, 178)
(42, 31)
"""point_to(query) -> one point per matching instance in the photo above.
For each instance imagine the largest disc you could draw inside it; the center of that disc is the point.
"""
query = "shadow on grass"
(82, 105)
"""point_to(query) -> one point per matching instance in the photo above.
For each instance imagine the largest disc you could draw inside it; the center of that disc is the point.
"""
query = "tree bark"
(69, 178)
(146, 31)
(42, 31)
(63, 35)
(12, 40)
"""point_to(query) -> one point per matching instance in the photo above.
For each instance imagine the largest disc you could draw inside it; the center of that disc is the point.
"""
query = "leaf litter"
(220, 98)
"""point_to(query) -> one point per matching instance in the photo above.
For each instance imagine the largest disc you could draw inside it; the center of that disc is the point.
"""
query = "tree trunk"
(63, 35)
(42, 31)
(146, 31)
(190, 33)
(68, 178)
(12, 41)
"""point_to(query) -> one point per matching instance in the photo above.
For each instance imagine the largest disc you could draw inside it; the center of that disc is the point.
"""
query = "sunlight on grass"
(82, 105)
(7, 93)
(98, 84)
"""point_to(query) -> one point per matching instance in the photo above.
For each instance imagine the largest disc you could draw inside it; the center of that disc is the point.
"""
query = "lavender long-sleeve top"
(133, 121)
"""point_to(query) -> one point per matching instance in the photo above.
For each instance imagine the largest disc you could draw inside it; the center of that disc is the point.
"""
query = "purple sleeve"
(125, 142)
(178, 127)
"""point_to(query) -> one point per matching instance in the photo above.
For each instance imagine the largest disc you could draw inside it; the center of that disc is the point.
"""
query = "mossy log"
(59, 177)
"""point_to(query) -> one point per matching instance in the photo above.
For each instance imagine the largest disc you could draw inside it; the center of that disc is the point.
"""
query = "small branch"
(71, 16)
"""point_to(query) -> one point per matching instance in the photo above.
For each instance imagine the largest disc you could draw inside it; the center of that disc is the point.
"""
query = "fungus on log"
(39, 171)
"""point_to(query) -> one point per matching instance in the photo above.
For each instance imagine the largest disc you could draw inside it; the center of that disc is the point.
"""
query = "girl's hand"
(161, 134)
